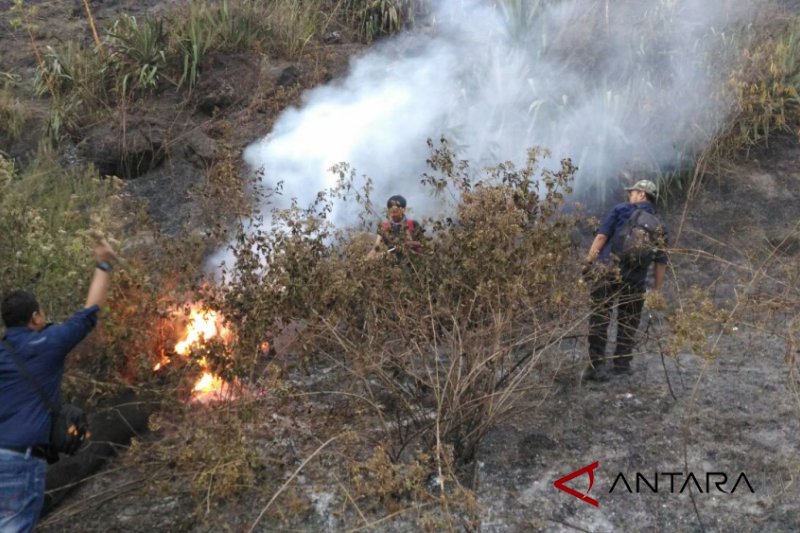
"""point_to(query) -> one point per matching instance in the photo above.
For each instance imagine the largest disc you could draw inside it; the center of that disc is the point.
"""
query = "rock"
(199, 145)
(332, 37)
(219, 97)
(289, 76)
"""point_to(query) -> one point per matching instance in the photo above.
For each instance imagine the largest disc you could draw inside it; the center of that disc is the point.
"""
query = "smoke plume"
(612, 85)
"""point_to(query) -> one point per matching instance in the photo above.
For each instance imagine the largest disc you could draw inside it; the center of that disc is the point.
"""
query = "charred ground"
(729, 405)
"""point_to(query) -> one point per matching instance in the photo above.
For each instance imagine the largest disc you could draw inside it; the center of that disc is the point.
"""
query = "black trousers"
(608, 293)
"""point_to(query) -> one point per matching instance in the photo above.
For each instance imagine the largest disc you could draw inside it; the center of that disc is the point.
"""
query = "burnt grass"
(736, 412)
(680, 424)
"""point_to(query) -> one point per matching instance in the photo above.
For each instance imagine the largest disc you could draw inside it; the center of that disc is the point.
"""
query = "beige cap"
(646, 186)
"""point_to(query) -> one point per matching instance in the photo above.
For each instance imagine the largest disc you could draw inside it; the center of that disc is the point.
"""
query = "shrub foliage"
(440, 343)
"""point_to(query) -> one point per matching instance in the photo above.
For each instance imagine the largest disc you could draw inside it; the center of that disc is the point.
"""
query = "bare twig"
(97, 42)
(291, 478)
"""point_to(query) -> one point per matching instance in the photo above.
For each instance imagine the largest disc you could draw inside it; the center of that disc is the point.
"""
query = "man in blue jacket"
(24, 419)
(619, 284)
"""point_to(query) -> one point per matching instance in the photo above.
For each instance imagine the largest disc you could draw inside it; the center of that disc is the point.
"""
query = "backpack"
(636, 242)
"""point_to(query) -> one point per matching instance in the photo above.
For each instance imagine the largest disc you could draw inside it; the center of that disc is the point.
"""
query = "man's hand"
(104, 252)
(98, 288)
(586, 269)
(102, 249)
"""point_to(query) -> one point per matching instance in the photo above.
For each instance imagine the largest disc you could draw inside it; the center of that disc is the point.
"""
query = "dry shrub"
(693, 323)
(207, 450)
(440, 344)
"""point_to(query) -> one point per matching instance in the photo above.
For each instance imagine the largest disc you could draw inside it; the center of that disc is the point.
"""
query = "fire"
(202, 326)
(208, 384)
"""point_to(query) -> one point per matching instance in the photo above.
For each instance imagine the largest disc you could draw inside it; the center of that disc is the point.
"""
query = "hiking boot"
(597, 372)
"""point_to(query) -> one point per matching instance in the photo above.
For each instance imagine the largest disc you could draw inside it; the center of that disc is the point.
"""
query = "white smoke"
(604, 83)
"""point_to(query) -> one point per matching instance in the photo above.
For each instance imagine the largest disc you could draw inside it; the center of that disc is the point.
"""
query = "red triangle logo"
(588, 469)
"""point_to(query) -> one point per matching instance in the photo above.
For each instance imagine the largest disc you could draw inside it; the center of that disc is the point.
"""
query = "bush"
(444, 341)
(45, 220)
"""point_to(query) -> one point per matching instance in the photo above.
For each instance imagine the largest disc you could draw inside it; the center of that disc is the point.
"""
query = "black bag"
(69, 427)
(636, 243)
(69, 430)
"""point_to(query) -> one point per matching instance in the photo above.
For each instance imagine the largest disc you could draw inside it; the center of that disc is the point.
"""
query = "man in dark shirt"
(397, 234)
(24, 419)
(619, 285)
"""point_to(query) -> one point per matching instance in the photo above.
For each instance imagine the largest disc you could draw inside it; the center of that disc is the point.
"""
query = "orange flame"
(203, 325)
(209, 383)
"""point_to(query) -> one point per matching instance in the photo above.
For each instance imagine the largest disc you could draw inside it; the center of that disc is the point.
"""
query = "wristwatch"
(105, 266)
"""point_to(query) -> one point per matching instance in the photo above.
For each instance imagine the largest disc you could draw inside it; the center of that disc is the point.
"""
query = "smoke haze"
(609, 84)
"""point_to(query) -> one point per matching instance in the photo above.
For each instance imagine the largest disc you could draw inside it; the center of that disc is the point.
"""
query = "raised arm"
(101, 279)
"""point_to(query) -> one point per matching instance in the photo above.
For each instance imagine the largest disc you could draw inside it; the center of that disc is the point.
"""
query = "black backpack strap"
(51, 406)
(634, 220)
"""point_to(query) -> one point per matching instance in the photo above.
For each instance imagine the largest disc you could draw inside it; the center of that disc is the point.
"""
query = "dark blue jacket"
(24, 419)
(612, 222)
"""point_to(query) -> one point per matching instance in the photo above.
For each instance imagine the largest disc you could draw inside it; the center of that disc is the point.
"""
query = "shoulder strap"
(409, 225)
(386, 225)
(635, 215)
(27, 374)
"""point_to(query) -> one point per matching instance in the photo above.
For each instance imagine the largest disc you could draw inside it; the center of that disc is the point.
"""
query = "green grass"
(13, 114)
(138, 57)
(376, 18)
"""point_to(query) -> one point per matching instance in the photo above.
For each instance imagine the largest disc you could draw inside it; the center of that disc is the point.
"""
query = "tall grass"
(72, 76)
(239, 26)
(292, 24)
(193, 39)
(762, 93)
(139, 57)
(13, 114)
(376, 18)
(138, 53)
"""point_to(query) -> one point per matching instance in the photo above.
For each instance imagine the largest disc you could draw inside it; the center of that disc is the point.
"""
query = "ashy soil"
(735, 413)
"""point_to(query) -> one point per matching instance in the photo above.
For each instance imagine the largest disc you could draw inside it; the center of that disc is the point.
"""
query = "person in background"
(619, 283)
(398, 234)
(24, 419)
